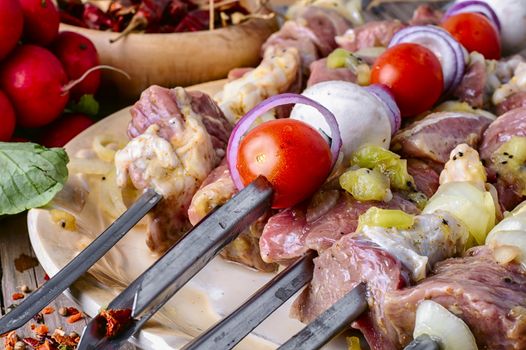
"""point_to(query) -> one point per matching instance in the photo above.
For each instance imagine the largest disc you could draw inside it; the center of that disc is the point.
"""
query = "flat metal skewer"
(150, 291)
(331, 322)
(41, 297)
(423, 342)
(231, 330)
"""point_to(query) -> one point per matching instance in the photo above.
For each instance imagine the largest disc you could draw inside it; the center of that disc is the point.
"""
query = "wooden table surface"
(15, 250)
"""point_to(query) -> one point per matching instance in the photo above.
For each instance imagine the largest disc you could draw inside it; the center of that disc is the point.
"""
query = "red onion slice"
(383, 93)
(244, 124)
(450, 53)
(473, 6)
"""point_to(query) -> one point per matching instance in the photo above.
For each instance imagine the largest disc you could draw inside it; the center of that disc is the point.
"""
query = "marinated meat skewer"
(432, 238)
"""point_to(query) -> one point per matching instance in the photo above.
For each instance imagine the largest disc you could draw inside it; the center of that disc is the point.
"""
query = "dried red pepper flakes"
(31, 342)
(75, 317)
(17, 296)
(46, 346)
(10, 340)
(116, 320)
(42, 330)
(64, 340)
(48, 310)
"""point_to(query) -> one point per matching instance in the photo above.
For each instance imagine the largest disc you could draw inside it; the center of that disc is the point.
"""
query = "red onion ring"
(244, 124)
(473, 6)
(450, 52)
(383, 93)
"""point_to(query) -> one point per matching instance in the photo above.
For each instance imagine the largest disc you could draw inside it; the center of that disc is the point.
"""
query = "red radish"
(64, 129)
(33, 79)
(41, 21)
(11, 26)
(78, 54)
(7, 118)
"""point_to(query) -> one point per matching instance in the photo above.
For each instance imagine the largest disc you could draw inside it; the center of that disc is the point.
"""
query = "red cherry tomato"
(475, 32)
(292, 155)
(64, 129)
(414, 75)
(7, 118)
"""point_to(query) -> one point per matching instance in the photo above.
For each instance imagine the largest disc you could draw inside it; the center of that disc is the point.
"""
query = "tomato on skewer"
(476, 33)
(413, 74)
(292, 155)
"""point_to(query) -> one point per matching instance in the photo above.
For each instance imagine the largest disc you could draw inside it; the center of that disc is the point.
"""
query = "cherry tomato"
(7, 118)
(64, 129)
(292, 155)
(413, 74)
(476, 33)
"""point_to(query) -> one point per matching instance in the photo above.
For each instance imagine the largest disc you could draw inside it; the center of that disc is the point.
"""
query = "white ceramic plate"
(213, 293)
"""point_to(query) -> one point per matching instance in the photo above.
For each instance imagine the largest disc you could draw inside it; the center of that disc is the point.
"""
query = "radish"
(78, 54)
(41, 21)
(64, 129)
(11, 26)
(7, 118)
(33, 78)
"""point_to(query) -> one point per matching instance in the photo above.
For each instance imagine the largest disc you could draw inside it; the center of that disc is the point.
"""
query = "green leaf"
(86, 105)
(30, 175)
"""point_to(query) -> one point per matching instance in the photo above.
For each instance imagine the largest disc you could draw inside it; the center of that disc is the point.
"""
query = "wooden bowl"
(177, 59)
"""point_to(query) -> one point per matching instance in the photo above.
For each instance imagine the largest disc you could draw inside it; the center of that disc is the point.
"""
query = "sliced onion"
(468, 203)
(514, 243)
(383, 94)
(438, 322)
(473, 6)
(245, 123)
(450, 53)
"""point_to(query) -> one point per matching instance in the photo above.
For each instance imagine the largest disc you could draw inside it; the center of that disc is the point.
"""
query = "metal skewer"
(232, 329)
(330, 323)
(41, 297)
(423, 342)
(150, 291)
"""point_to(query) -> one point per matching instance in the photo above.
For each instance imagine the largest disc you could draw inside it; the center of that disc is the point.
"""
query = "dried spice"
(25, 262)
(48, 310)
(17, 296)
(42, 330)
(65, 340)
(116, 320)
(75, 317)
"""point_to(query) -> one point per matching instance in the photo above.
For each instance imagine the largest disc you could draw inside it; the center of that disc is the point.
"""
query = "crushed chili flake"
(31, 342)
(48, 310)
(33, 326)
(72, 311)
(46, 346)
(17, 296)
(116, 320)
(10, 340)
(65, 340)
(75, 317)
(42, 330)
(46, 277)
